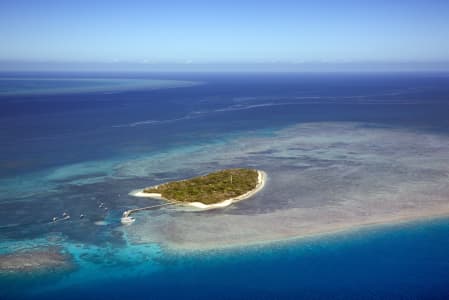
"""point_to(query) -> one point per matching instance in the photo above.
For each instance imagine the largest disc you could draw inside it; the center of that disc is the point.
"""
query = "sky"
(291, 34)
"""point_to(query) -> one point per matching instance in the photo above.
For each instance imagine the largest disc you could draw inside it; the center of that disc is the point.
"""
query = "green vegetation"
(211, 188)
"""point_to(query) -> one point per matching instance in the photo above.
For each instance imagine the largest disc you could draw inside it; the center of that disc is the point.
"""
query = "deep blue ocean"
(66, 151)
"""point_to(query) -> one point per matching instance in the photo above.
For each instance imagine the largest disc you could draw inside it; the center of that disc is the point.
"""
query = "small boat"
(127, 220)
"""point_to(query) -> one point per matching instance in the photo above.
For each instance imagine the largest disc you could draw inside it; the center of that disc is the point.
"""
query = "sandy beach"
(141, 194)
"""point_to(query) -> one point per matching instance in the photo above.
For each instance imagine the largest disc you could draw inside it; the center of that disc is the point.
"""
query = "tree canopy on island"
(209, 189)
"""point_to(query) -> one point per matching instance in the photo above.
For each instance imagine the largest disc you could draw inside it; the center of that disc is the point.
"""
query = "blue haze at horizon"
(399, 261)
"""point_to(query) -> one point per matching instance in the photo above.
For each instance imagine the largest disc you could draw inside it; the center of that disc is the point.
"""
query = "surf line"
(126, 219)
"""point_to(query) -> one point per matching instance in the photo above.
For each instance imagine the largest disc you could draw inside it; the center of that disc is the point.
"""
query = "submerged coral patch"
(39, 259)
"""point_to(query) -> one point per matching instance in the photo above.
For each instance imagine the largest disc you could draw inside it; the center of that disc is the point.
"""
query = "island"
(214, 190)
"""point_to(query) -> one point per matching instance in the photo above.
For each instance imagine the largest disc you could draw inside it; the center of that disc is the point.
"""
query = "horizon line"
(170, 67)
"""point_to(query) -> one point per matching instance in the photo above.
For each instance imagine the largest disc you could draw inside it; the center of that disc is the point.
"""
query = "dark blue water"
(44, 131)
(41, 132)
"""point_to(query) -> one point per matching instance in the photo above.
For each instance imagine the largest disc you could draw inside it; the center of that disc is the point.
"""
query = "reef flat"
(324, 177)
(36, 260)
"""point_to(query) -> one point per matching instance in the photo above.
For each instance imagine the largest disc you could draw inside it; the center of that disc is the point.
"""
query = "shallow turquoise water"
(383, 262)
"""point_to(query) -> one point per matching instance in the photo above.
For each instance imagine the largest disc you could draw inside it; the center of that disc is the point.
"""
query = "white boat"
(127, 220)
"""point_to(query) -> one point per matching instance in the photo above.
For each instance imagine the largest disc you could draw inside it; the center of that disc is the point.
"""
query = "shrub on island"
(209, 189)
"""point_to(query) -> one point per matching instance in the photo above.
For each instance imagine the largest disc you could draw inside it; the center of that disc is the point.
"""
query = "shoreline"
(261, 180)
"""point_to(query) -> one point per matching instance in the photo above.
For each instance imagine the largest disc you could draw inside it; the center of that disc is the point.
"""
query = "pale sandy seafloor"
(322, 177)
